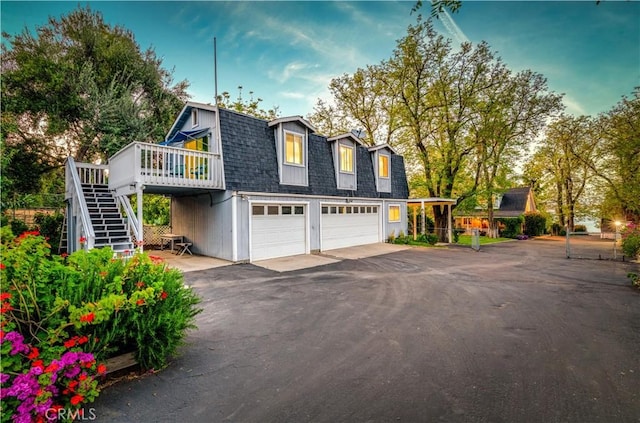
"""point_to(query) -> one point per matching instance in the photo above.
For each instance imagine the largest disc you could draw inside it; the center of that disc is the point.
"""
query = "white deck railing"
(159, 165)
(92, 173)
(73, 175)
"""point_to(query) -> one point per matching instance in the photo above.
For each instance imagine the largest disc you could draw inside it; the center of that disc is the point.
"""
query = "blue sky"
(287, 52)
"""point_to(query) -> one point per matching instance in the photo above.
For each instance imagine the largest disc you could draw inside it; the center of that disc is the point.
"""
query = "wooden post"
(415, 223)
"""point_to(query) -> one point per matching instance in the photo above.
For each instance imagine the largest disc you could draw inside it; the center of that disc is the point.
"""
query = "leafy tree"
(249, 107)
(562, 155)
(616, 160)
(438, 6)
(80, 87)
(508, 117)
(457, 116)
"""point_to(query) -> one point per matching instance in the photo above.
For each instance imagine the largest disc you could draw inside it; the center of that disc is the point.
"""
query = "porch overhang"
(414, 203)
(186, 135)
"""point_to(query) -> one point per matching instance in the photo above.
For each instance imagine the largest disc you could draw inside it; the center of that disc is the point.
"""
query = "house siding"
(313, 214)
(206, 222)
(292, 174)
(347, 181)
(207, 119)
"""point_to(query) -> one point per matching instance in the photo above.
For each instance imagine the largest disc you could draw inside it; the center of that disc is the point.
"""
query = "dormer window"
(383, 166)
(294, 149)
(194, 117)
(346, 158)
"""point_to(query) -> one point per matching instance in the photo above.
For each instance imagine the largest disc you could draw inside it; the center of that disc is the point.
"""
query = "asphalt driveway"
(513, 333)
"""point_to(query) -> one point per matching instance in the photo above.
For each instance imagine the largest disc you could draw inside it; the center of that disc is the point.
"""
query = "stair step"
(105, 216)
(113, 234)
(110, 227)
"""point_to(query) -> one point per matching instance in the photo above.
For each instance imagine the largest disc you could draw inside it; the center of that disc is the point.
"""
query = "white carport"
(414, 203)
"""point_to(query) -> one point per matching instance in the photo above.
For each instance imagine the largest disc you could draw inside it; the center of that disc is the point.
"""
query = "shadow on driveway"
(513, 333)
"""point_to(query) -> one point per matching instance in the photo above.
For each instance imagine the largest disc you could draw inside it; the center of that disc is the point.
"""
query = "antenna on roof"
(215, 70)
(358, 133)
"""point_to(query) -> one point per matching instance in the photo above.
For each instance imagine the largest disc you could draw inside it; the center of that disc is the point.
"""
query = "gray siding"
(207, 119)
(206, 222)
(292, 174)
(345, 180)
(395, 227)
(382, 184)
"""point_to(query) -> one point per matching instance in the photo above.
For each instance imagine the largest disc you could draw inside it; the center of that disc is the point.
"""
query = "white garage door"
(346, 226)
(277, 230)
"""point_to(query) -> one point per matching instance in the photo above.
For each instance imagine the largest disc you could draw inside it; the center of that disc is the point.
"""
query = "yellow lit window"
(346, 159)
(394, 213)
(293, 148)
(383, 166)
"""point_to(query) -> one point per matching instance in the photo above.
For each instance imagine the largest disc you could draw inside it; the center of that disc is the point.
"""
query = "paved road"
(514, 333)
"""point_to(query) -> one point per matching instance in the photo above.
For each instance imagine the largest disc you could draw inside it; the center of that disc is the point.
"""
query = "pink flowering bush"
(64, 315)
(34, 388)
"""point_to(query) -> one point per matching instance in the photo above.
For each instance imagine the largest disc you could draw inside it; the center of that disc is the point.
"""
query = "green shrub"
(138, 305)
(392, 237)
(512, 226)
(535, 224)
(631, 240)
(635, 279)
(402, 238)
(580, 228)
(432, 239)
(556, 229)
(50, 226)
(456, 234)
(18, 226)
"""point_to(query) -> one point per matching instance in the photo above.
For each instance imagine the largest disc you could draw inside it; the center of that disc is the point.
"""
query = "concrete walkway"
(307, 261)
(188, 263)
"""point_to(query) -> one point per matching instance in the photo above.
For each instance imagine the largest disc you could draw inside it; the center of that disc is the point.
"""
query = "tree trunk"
(441, 218)
(560, 203)
(492, 224)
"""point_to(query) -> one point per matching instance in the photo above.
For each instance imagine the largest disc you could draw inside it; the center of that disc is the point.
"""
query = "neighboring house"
(513, 203)
(245, 189)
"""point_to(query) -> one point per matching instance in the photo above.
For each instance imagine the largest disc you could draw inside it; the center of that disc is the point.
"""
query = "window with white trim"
(394, 213)
(194, 118)
(346, 158)
(383, 166)
(293, 149)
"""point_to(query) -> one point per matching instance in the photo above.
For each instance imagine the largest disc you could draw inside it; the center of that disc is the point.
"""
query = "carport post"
(450, 224)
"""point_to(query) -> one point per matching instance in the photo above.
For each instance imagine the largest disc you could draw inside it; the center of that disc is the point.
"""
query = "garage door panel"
(346, 230)
(278, 236)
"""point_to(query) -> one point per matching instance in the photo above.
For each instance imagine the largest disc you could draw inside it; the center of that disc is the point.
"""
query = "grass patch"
(466, 240)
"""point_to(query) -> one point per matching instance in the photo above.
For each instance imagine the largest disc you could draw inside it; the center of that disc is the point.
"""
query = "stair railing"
(73, 179)
(132, 218)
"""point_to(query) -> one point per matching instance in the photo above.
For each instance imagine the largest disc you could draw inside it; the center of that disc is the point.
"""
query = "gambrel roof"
(250, 162)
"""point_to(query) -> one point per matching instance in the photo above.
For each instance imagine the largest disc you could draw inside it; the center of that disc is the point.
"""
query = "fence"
(581, 245)
(152, 234)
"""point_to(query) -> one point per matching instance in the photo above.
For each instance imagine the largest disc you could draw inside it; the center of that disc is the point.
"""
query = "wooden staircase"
(111, 229)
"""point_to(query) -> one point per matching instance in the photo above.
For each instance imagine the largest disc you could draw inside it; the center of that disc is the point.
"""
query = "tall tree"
(617, 158)
(456, 115)
(84, 88)
(508, 117)
(568, 144)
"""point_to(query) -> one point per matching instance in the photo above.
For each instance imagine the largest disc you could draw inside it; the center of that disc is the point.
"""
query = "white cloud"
(453, 29)
(573, 106)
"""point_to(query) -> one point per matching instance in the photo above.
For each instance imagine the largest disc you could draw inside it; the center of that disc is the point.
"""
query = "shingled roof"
(514, 202)
(250, 163)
